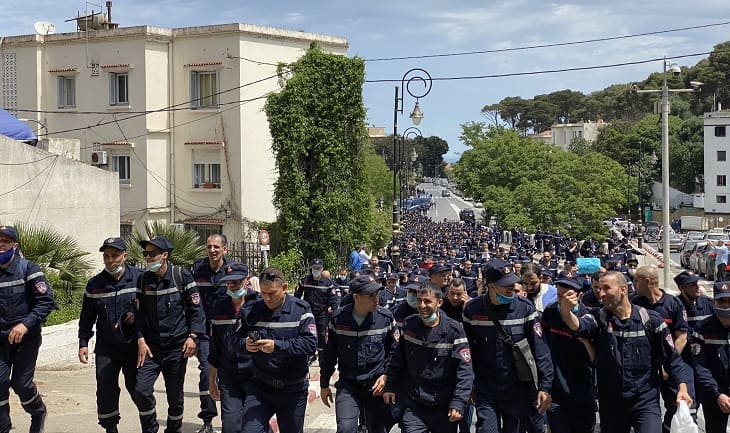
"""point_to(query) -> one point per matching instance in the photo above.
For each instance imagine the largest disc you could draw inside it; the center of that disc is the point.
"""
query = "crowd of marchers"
(459, 328)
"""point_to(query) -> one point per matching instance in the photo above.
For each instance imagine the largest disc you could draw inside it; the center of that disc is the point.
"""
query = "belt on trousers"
(424, 402)
(276, 383)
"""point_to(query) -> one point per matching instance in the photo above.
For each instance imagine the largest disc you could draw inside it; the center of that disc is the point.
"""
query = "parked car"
(445, 193)
(705, 264)
(695, 255)
(713, 236)
(686, 252)
(675, 243)
(695, 235)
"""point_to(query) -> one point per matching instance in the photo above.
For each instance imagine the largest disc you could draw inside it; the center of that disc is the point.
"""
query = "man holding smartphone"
(280, 333)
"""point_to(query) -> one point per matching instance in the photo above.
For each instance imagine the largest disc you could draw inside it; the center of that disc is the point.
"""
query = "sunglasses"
(270, 276)
(151, 253)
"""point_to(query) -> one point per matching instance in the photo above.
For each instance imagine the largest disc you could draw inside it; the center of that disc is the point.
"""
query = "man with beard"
(631, 343)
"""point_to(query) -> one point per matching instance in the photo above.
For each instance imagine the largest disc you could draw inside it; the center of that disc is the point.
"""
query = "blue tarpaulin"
(16, 129)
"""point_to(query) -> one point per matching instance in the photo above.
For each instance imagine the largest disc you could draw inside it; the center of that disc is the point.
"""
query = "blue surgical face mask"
(237, 294)
(412, 299)
(316, 273)
(505, 300)
(6, 256)
(114, 271)
(154, 266)
(430, 319)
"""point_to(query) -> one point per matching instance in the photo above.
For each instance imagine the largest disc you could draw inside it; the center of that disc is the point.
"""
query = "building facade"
(176, 113)
(564, 133)
(717, 169)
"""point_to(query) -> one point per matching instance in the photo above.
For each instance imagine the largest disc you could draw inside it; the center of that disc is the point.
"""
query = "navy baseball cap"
(685, 277)
(567, 279)
(10, 232)
(317, 263)
(235, 272)
(392, 276)
(160, 242)
(116, 243)
(437, 269)
(365, 285)
(415, 282)
(721, 290)
(500, 273)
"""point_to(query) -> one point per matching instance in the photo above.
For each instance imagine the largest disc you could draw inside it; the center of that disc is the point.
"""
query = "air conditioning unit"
(99, 157)
(178, 226)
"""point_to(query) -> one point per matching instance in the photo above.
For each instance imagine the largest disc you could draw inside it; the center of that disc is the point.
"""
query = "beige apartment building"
(176, 113)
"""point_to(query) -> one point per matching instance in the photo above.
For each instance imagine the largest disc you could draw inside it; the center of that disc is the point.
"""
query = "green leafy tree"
(186, 243)
(317, 123)
(532, 184)
(431, 155)
(64, 264)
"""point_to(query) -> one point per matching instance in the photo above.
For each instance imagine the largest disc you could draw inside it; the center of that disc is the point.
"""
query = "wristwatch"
(194, 337)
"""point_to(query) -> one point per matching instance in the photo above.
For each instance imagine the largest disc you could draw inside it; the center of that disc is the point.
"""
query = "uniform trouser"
(208, 409)
(17, 367)
(350, 402)
(715, 420)
(642, 412)
(321, 321)
(490, 412)
(572, 416)
(232, 388)
(172, 366)
(262, 402)
(418, 418)
(668, 391)
(109, 362)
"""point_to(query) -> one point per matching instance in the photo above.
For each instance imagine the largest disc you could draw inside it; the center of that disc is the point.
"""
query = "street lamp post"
(417, 77)
(674, 68)
(410, 133)
(413, 158)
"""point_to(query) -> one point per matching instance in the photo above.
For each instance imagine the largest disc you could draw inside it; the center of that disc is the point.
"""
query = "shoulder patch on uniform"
(684, 314)
(668, 338)
(41, 287)
(396, 334)
(312, 328)
(465, 354)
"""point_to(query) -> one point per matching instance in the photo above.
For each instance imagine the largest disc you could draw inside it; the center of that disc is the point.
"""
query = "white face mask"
(154, 266)
(631, 272)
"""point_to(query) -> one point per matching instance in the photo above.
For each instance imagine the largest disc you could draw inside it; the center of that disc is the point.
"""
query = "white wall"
(42, 188)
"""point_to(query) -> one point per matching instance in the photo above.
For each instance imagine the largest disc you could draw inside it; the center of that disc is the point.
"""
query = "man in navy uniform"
(392, 293)
(169, 321)
(323, 298)
(431, 369)
(671, 310)
(230, 363)
(710, 346)
(361, 339)
(631, 344)
(27, 301)
(500, 393)
(280, 333)
(573, 402)
(109, 302)
(207, 273)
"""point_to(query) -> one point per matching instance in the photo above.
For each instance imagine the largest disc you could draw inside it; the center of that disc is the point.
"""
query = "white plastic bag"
(682, 421)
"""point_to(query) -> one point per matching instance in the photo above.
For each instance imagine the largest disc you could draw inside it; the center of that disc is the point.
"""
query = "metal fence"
(248, 253)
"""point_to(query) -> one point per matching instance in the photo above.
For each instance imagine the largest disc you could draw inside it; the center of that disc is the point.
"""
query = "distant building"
(717, 169)
(176, 113)
(543, 137)
(376, 131)
(564, 133)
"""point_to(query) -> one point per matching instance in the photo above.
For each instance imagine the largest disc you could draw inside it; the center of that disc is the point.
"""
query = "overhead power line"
(551, 45)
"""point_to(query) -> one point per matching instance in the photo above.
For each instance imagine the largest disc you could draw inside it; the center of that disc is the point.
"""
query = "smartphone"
(254, 336)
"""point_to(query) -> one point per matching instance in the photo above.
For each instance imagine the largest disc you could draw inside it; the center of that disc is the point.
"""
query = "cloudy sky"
(398, 28)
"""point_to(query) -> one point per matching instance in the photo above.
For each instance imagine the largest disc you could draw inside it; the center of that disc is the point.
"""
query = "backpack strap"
(177, 279)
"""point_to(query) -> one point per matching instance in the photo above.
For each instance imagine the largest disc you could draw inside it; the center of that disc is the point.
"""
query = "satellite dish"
(44, 28)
